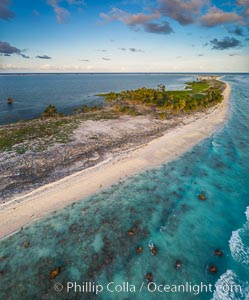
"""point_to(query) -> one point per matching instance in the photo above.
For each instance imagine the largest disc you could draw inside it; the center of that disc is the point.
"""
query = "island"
(55, 160)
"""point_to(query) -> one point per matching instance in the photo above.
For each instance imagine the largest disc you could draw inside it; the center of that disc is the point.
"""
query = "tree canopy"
(197, 95)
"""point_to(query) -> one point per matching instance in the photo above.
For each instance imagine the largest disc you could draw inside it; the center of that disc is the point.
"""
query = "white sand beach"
(25, 209)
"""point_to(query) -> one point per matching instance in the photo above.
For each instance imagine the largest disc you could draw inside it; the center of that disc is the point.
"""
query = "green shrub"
(163, 115)
(50, 112)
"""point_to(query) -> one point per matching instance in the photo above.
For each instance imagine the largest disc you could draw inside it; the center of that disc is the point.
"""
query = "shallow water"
(90, 239)
(33, 93)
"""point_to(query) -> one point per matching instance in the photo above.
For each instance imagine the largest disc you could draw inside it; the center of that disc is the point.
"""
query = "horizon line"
(138, 72)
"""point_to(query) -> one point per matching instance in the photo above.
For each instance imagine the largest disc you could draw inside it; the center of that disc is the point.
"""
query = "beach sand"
(28, 208)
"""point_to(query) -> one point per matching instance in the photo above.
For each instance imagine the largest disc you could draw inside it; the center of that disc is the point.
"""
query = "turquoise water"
(89, 240)
(33, 93)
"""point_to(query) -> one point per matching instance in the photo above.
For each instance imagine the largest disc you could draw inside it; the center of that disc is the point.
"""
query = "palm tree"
(161, 87)
(182, 104)
(50, 112)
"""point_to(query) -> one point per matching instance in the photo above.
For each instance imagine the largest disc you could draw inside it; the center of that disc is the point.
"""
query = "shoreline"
(23, 210)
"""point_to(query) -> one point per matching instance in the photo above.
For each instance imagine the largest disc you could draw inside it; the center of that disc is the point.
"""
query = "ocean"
(32, 93)
(106, 239)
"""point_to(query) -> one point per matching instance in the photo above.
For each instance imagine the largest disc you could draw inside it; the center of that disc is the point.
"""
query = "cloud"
(5, 13)
(66, 68)
(242, 2)
(200, 54)
(62, 14)
(35, 13)
(131, 49)
(77, 2)
(138, 21)
(216, 17)
(232, 54)
(101, 50)
(11, 67)
(84, 59)
(7, 50)
(225, 43)
(237, 30)
(24, 56)
(43, 57)
(245, 5)
(104, 58)
(163, 28)
(184, 12)
(132, 20)
(135, 50)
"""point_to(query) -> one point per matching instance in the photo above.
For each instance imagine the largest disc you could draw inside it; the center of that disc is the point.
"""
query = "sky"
(124, 36)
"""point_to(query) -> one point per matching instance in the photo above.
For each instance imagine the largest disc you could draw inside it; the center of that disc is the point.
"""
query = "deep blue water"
(89, 239)
(33, 93)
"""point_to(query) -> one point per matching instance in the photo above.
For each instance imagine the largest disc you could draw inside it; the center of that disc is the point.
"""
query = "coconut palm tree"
(50, 112)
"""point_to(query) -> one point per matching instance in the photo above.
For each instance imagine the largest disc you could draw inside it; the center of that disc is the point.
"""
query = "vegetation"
(39, 134)
(85, 109)
(23, 134)
(10, 100)
(54, 127)
(197, 95)
(50, 112)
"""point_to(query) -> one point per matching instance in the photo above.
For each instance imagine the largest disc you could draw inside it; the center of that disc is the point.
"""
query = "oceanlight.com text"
(151, 287)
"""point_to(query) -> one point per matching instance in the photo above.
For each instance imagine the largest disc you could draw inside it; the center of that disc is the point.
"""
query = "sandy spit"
(25, 209)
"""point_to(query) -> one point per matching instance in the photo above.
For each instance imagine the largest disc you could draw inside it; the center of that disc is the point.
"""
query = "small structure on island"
(206, 77)
(10, 100)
